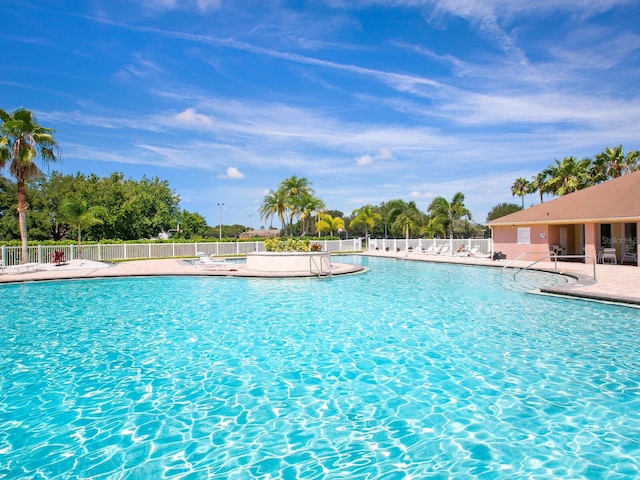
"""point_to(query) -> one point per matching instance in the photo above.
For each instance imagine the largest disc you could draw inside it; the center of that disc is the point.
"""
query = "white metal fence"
(483, 245)
(130, 251)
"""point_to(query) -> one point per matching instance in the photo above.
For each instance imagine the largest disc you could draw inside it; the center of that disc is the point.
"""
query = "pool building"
(585, 222)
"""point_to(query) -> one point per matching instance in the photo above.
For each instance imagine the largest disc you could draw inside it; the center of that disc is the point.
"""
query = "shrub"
(288, 245)
(315, 247)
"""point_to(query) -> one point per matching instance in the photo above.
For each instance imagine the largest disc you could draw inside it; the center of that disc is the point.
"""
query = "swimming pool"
(411, 370)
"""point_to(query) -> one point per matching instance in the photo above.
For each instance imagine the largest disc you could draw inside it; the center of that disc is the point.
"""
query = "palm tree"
(538, 184)
(294, 188)
(568, 175)
(365, 216)
(328, 223)
(77, 213)
(613, 163)
(22, 141)
(405, 217)
(449, 212)
(434, 227)
(521, 187)
(309, 204)
(275, 203)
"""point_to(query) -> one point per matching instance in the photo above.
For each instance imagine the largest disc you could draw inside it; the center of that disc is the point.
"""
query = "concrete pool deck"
(614, 283)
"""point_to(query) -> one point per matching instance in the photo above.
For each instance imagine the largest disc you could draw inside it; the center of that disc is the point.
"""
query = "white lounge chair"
(444, 250)
(212, 264)
(609, 254)
(431, 250)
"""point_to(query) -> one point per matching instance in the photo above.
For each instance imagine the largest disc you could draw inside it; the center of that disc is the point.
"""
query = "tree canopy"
(111, 207)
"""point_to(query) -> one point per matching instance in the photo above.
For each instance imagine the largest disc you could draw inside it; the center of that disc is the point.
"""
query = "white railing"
(483, 245)
(129, 251)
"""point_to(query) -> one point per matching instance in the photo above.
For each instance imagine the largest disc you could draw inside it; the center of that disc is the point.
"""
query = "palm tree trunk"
(79, 243)
(22, 218)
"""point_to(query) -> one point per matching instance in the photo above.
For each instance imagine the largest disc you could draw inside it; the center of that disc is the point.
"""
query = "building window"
(605, 235)
(524, 235)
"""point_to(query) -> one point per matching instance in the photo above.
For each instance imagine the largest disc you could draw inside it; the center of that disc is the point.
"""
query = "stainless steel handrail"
(547, 256)
(319, 270)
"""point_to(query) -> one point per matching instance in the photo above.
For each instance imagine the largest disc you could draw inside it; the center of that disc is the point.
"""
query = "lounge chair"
(444, 250)
(609, 254)
(212, 264)
(431, 250)
(462, 252)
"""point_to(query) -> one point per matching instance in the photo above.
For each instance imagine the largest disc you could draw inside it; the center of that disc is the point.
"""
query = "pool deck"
(614, 283)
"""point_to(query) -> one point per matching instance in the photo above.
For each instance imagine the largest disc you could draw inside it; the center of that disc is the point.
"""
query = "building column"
(590, 240)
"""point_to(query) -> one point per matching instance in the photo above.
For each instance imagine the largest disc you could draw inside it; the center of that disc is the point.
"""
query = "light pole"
(220, 205)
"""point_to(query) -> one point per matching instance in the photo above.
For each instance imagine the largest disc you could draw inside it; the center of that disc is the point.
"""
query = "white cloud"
(232, 173)
(191, 119)
(363, 160)
(368, 159)
(201, 5)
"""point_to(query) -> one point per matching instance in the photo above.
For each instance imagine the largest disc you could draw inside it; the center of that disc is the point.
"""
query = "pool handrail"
(555, 257)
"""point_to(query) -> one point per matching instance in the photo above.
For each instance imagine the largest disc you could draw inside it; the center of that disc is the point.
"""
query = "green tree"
(539, 184)
(274, 203)
(330, 224)
(521, 187)
(190, 225)
(76, 212)
(309, 205)
(435, 227)
(449, 212)
(295, 189)
(405, 217)
(22, 141)
(568, 175)
(365, 216)
(613, 163)
(501, 210)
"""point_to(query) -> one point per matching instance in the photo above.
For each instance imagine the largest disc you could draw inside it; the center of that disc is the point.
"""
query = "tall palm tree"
(539, 184)
(613, 163)
(449, 212)
(405, 217)
(521, 187)
(308, 205)
(22, 141)
(568, 175)
(275, 203)
(294, 188)
(365, 216)
(330, 224)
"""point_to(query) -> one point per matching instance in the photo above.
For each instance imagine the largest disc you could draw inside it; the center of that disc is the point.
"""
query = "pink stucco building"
(585, 222)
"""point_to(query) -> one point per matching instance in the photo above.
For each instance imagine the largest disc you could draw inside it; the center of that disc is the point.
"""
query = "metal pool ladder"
(319, 266)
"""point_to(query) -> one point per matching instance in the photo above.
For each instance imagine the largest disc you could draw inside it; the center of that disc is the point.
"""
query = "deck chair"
(212, 264)
(609, 256)
(629, 256)
(431, 250)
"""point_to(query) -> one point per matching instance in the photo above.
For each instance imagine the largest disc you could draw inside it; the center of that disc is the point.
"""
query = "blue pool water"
(409, 371)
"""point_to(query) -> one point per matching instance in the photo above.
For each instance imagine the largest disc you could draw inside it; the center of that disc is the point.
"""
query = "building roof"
(616, 200)
(262, 233)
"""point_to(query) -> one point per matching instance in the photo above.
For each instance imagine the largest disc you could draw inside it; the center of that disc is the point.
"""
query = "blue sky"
(371, 100)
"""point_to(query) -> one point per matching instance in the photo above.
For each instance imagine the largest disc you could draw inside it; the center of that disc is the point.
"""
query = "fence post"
(125, 251)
